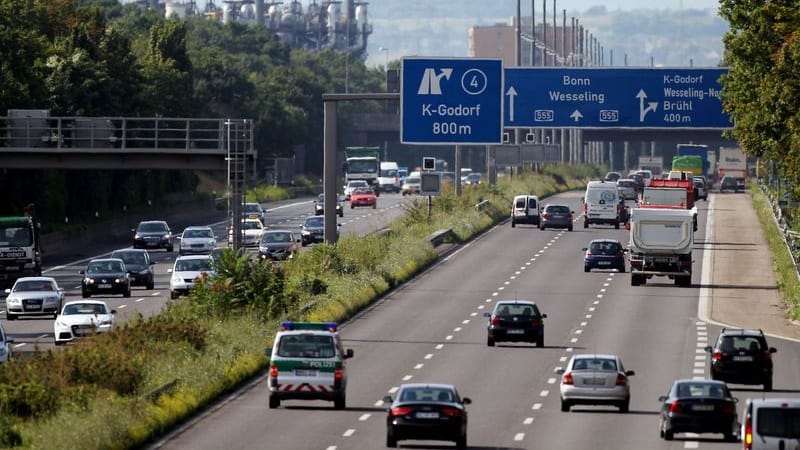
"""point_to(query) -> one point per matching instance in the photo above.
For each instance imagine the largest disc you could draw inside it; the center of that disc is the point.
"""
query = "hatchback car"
(197, 240)
(139, 266)
(34, 296)
(254, 211)
(473, 179)
(698, 406)
(412, 184)
(770, 423)
(595, 379)
(105, 276)
(5, 345)
(428, 412)
(742, 356)
(627, 189)
(319, 206)
(153, 234)
(186, 271)
(252, 229)
(604, 254)
(556, 216)
(83, 318)
(278, 245)
(613, 176)
(515, 321)
(313, 230)
(728, 183)
(363, 197)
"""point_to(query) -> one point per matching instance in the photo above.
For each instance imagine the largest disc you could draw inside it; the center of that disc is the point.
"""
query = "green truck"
(20, 248)
(362, 163)
(688, 163)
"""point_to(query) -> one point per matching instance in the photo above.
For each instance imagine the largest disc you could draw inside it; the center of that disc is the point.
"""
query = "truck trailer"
(20, 247)
(661, 241)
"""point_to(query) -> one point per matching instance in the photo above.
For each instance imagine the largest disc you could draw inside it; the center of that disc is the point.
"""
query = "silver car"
(595, 379)
(34, 296)
(627, 188)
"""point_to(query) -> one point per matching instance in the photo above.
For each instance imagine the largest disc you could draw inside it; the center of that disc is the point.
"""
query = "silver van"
(772, 423)
(525, 209)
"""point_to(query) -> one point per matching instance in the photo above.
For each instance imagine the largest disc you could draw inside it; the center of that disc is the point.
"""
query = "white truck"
(732, 163)
(661, 241)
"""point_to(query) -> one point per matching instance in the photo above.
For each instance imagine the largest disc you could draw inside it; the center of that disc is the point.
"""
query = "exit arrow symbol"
(511, 93)
(576, 115)
(651, 106)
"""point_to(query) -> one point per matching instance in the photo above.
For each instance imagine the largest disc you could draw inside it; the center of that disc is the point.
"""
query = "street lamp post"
(386, 52)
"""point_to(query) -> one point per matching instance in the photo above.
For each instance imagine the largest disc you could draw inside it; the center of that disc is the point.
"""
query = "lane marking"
(154, 294)
(348, 433)
(562, 359)
(500, 288)
(429, 356)
(699, 364)
(364, 417)
(379, 403)
(139, 300)
(418, 366)
(407, 377)
(578, 331)
(457, 329)
(439, 346)
(544, 393)
(551, 381)
(480, 306)
(473, 314)
(332, 447)
(393, 389)
(574, 340)
(519, 436)
(465, 321)
(527, 421)
(42, 336)
(698, 371)
(583, 324)
(123, 306)
(569, 349)
(449, 337)
(19, 345)
(591, 308)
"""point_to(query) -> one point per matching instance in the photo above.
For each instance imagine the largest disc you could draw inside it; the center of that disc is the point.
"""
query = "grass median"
(126, 388)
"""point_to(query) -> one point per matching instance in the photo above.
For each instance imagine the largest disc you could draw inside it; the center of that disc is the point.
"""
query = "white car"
(197, 240)
(595, 380)
(353, 185)
(252, 229)
(83, 318)
(34, 296)
(186, 271)
(5, 345)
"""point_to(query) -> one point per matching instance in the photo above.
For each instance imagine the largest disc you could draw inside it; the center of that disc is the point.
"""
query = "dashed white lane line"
(698, 378)
(429, 356)
(528, 263)
(512, 277)
(569, 350)
(578, 331)
(698, 371)
(473, 314)
(407, 377)
(536, 406)
(544, 393)
(500, 288)
(418, 366)
(348, 433)
(602, 290)
(699, 357)
(701, 344)
(449, 337)
(700, 350)
(480, 306)
(519, 436)
(332, 447)
(494, 294)
(488, 300)
(506, 283)
(700, 323)
(527, 421)
(123, 306)
(699, 364)
(573, 340)
(439, 346)
(456, 329)
(551, 381)
(562, 359)
(583, 324)
(393, 389)
(591, 308)
(77, 287)
(588, 316)
(379, 403)
(139, 300)
(605, 284)
(364, 417)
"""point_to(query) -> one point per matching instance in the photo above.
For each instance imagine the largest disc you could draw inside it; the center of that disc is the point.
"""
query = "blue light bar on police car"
(290, 325)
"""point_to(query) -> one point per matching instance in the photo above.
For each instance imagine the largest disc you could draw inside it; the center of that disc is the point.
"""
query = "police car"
(307, 363)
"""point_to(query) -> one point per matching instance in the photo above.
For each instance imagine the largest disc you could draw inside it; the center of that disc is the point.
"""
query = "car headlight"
(13, 301)
(305, 232)
(89, 280)
(177, 279)
(119, 280)
(61, 324)
(137, 236)
(50, 299)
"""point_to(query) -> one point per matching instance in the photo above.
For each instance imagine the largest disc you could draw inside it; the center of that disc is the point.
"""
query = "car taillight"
(273, 371)
(400, 411)
(767, 355)
(717, 356)
(338, 373)
(452, 412)
(544, 215)
(495, 320)
(622, 380)
(748, 433)
(729, 409)
(675, 408)
(536, 321)
(588, 253)
(567, 379)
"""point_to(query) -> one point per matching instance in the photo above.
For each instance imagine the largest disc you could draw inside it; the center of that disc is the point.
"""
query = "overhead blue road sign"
(451, 101)
(614, 98)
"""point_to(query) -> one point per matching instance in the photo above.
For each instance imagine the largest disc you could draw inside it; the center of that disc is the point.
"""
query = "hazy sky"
(633, 4)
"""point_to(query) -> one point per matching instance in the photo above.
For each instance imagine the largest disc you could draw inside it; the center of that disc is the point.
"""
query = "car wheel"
(86, 294)
(351, 206)
(768, 384)
(585, 224)
(622, 269)
(303, 243)
(461, 442)
(669, 435)
(565, 406)
(127, 292)
(636, 280)
(339, 402)
(173, 295)
(341, 213)
(274, 402)
(569, 228)
(10, 317)
(171, 249)
(730, 437)
(374, 205)
(616, 225)
(541, 227)
(540, 341)
(490, 341)
(391, 441)
(151, 285)
(625, 406)
(513, 224)
(587, 269)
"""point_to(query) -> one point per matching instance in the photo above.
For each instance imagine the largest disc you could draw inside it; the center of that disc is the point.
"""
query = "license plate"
(152, 244)
(104, 286)
(595, 381)
(305, 373)
(742, 358)
(515, 331)
(702, 407)
(604, 263)
(427, 415)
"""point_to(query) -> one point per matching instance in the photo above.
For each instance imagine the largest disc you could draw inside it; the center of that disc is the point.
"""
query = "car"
(307, 354)
(473, 178)
(252, 229)
(351, 185)
(525, 209)
(319, 206)
(741, 356)
(515, 321)
(612, 176)
(412, 184)
(186, 271)
(728, 183)
(698, 406)
(388, 179)
(278, 245)
(153, 234)
(139, 266)
(197, 240)
(770, 423)
(313, 230)
(363, 197)
(595, 379)
(82, 318)
(647, 176)
(601, 204)
(627, 188)
(5, 345)
(700, 188)
(427, 411)
(556, 216)
(34, 296)
(604, 254)
(740, 184)
(105, 276)
(253, 210)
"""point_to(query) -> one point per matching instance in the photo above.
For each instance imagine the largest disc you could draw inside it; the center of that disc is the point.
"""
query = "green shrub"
(9, 434)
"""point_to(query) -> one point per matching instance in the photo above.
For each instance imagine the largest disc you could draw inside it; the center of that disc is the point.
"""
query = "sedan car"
(278, 245)
(595, 379)
(186, 271)
(197, 240)
(473, 179)
(319, 206)
(515, 321)
(742, 356)
(627, 188)
(698, 406)
(139, 265)
(82, 318)
(5, 345)
(313, 230)
(428, 412)
(34, 296)
(411, 185)
(105, 276)
(252, 229)
(604, 254)
(363, 197)
(254, 211)
(153, 234)
(729, 183)
(556, 216)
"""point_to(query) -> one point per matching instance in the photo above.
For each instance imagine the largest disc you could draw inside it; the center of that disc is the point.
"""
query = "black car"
(313, 230)
(729, 183)
(556, 216)
(319, 206)
(604, 254)
(277, 245)
(698, 406)
(743, 357)
(428, 412)
(139, 265)
(153, 234)
(105, 276)
(515, 321)
(613, 176)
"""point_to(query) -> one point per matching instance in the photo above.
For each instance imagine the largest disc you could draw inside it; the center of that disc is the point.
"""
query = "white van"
(771, 424)
(389, 177)
(601, 204)
(525, 209)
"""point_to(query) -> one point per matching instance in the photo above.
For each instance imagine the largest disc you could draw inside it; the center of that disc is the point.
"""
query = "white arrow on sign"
(511, 93)
(576, 115)
(651, 106)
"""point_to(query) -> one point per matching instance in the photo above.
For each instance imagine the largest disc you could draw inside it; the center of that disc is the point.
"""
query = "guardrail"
(790, 238)
(438, 237)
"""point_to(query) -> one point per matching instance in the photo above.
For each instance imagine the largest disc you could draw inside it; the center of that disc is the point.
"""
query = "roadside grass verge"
(782, 262)
(126, 388)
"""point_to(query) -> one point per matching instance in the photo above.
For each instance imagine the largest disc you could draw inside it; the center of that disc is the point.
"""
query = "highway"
(30, 333)
(431, 330)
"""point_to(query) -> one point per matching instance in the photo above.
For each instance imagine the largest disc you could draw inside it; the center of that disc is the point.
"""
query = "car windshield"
(601, 364)
(357, 184)
(34, 286)
(321, 198)
(605, 248)
(714, 390)
(193, 265)
(152, 228)
(740, 344)
(427, 394)
(252, 208)
(362, 191)
(779, 422)
(197, 233)
(516, 309)
(14, 235)
(626, 183)
(85, 308)
(388, 173)
(104, 267)
(276, 237)
(251, 225)
(306, 346)
(558, 209)
(314, 222)
(413, 180)
(131, 257)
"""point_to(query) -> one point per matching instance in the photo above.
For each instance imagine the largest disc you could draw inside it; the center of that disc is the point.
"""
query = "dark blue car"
(604, 254)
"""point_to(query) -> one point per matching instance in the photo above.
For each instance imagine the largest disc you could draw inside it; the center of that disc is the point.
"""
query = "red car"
(363, 197)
